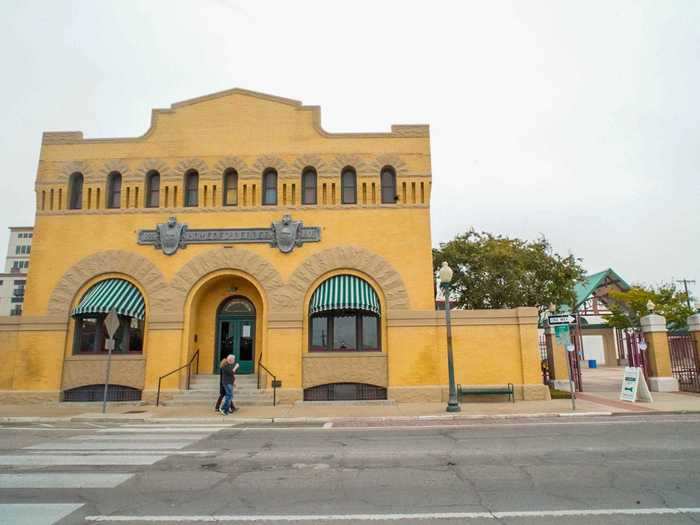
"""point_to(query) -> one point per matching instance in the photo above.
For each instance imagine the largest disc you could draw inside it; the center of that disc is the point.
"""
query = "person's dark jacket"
(227, 374)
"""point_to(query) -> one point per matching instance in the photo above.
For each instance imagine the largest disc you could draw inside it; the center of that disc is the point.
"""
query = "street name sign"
(634, 386)
(561, 319)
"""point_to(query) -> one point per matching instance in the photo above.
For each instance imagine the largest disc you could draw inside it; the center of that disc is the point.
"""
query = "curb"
(236, 422)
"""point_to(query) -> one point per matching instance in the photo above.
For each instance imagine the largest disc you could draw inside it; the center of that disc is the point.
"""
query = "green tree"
(627, 307)
(493, 271)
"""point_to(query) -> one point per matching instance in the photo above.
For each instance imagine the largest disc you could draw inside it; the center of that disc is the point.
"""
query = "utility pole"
(685, 283)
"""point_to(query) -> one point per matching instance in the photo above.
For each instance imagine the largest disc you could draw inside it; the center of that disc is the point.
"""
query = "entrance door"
(236, 333)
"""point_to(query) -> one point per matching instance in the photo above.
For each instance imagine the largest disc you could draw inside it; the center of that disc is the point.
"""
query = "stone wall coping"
(653, 323)
(694, 323)
(341, 355)
(103, 357)
(513, 316)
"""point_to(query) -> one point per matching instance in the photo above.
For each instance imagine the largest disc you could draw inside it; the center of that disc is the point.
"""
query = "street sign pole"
(570, 348)
(111, 324)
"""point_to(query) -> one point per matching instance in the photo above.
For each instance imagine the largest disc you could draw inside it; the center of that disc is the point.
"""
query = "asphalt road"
(614, 470)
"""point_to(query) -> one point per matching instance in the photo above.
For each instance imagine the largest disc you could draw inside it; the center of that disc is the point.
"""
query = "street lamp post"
(445, 279)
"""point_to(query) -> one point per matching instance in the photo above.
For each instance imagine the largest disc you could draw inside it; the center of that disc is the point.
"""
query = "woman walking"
(228, 377)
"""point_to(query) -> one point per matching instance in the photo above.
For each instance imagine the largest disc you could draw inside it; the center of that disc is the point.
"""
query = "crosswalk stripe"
(62, 480)
(200, 430)
(124, 451)
(35, 513)
(98, 445)
(141, 437)
(93, 459)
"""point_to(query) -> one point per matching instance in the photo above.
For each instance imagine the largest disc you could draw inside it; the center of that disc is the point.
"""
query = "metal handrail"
(189, 373)
(274, 380)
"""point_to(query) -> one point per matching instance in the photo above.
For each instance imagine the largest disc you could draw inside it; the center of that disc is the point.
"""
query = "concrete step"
(210, 402)
(189, 394)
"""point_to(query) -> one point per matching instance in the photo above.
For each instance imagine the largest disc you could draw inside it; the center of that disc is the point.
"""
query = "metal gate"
(546, 359)
(685, 364)
(629, 343)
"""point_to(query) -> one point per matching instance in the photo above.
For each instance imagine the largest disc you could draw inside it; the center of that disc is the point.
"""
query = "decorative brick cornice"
(217, 259)
(110, 261)
(311, 160)
(184, 166)
(80, 166)
(351, 258)
(271, 161)
(159, 165)
(234, 162)
(113, 165)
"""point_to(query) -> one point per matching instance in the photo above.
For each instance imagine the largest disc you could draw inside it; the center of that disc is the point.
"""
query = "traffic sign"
(561, 319)
(111, 323)
(562, 334)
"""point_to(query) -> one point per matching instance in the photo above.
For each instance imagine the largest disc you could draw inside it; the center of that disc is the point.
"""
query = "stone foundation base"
(663, 384)
(438, 394)
(149, 396)
(289, 396)
(29, 397)
(561, 384)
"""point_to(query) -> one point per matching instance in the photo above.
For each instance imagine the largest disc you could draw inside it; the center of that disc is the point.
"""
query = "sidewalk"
(597, 403)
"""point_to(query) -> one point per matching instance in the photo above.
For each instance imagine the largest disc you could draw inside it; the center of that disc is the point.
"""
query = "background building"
(13, 279)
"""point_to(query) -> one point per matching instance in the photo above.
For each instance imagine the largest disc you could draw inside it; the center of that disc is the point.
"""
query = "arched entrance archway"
(235, 333)
(211, 301)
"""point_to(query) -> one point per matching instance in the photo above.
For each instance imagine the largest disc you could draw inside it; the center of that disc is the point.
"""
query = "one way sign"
(561, 319)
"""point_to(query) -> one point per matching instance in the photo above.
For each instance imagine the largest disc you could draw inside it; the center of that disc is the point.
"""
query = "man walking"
(228, 378)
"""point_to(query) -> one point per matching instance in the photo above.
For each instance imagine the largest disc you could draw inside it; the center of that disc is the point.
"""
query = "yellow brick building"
(236, 224)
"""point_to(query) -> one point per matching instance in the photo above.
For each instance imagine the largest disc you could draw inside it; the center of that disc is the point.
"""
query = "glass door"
(245, 334)
(237, 337)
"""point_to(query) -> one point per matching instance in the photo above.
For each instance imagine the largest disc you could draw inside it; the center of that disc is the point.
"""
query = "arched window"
(344, 316)
(230, 187)
(348, 188)
(237, 306)
(388, 180)
(153, 189)
(90, 333)
(114, 189)
(75, 185)
(308, 184)
(270, 187)
(192, 188)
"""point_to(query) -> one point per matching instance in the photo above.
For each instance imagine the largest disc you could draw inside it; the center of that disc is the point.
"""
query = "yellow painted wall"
(250, 132)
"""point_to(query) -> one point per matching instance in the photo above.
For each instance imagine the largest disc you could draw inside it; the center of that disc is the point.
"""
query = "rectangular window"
(319, 334)
(370, 333)
(18, 250)
(344, 333)
(87, 331)
(90, 335)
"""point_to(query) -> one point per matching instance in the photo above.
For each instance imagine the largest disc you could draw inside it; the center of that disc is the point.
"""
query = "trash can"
(592, 363)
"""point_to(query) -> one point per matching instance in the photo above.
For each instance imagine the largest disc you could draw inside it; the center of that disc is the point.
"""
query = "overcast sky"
(577, 120)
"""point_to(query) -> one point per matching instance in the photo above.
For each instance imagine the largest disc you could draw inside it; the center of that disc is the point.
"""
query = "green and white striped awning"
(119, 294)
(344, 292)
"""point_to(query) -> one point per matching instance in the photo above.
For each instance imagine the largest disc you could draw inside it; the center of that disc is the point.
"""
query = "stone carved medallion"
(286, 237)
(170, 236)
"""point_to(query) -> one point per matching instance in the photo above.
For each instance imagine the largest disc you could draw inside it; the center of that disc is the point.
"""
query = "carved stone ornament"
(170, 236)
(285, 234)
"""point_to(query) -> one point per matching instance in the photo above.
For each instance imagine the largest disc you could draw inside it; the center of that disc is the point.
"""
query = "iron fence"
(685, 363)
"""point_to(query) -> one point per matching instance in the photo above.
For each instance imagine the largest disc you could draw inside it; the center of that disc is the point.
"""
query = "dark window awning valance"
(344, 292)
(119, 294)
